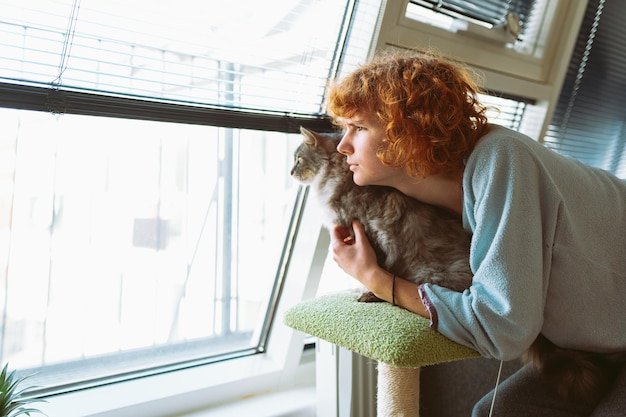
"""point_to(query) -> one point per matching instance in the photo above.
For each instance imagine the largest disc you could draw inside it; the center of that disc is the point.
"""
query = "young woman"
(548, 250)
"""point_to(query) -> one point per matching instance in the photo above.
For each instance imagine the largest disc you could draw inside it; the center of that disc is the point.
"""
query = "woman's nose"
(344, 147)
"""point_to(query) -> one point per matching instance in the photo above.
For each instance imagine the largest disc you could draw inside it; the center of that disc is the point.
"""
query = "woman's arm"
(357, 258)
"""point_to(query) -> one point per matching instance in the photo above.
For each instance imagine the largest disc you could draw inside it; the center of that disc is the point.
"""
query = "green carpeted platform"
(377, 331)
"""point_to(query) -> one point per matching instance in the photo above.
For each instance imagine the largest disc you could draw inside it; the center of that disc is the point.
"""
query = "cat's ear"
(310, 138)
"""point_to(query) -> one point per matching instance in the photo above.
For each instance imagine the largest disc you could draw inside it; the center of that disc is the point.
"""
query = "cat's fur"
(422, 243)
(414, 240)
(575, 374)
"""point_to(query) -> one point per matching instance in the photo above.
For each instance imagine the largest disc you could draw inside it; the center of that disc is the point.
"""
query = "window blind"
(240, 55)
(525, 37)
(589, 119)
(505, 111)
(490, 12)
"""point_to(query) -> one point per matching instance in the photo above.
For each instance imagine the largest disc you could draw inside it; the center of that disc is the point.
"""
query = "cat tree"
(400, 341)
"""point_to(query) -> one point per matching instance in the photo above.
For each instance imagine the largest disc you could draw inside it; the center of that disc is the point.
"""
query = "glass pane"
(490, 12)
(588, 120)
(241, 53)
(504, 111)
(131, 243)
(453, 16)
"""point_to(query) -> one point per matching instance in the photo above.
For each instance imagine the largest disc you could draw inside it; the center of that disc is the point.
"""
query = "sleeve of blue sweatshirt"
(513, 224)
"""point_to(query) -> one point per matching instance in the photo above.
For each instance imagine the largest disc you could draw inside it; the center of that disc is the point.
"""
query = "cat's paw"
(369, 297)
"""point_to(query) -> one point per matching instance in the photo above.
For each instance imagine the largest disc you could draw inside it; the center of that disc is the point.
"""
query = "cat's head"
(314, 154)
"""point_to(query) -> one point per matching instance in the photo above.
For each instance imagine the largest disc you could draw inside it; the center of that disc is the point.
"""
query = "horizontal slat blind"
(242, 53)
(492, 12)
(589, 120)
(507, 112)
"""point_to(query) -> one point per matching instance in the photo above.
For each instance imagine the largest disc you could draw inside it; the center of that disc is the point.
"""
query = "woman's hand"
(357, 258)
(354, 255)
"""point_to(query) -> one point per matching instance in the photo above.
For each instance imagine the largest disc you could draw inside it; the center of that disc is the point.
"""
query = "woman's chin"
(361, 180)
(357, 180)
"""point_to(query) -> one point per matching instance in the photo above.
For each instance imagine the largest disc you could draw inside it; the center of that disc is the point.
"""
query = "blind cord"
(68, 41)
(56, 101)
(495, 390)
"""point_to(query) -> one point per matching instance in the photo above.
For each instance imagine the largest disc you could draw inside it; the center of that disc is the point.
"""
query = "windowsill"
(190, 393)
(298, 400)
(295, 402)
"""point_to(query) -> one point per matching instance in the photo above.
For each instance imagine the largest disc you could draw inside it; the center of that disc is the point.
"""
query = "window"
(588, 122)
(505, 111)
(490, 12)
(510, 22)
(241, 54)
(137, 244)
(147, 210)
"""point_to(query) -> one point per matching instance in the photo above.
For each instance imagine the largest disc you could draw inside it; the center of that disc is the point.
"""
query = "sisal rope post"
(398, 391)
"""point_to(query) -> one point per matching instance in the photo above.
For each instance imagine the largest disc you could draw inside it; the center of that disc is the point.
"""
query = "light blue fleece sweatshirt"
(548, 253)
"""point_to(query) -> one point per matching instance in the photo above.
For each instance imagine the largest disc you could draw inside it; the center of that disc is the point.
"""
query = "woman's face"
(364, 136)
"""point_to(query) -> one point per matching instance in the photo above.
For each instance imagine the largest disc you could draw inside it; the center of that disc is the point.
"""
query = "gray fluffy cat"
(414, 240)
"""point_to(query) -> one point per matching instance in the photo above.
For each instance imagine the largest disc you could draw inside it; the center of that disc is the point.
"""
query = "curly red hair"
(428, 104)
